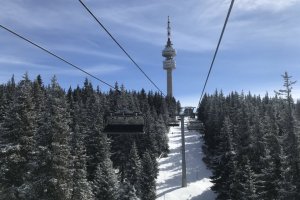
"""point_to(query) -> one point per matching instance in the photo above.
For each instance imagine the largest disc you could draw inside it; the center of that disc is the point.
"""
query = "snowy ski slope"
(169, 179)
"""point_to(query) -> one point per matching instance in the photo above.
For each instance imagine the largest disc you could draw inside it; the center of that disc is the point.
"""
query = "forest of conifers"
(52, 147)
(252, 144)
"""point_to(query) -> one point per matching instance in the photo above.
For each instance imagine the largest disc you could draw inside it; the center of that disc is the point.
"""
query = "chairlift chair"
(195, 125)
(173, 122)
(189, 111)
(124, 123)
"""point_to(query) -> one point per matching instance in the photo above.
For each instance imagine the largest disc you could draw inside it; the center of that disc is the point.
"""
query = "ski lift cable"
(58, 57)
(216, 51)
(120, 46)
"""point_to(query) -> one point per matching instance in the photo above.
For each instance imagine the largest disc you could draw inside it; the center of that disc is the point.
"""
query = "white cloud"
(19, 62)
(271, 5)
(147, 22)
(16, 63)
(95, 70)
(47, 15)
(81, 49)
(197, 30)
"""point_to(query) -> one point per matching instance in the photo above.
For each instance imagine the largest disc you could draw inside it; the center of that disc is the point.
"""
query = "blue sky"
(261, 42)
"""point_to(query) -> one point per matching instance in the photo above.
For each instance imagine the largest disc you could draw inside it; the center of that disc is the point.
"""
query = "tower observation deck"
(169, 64)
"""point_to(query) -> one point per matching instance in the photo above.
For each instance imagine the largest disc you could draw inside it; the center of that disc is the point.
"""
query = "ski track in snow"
(168, 183)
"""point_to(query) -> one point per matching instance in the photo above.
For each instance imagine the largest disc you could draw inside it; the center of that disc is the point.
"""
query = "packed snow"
(169, 179)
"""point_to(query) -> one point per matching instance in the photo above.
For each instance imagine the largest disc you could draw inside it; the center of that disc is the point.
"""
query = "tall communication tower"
(169, 64)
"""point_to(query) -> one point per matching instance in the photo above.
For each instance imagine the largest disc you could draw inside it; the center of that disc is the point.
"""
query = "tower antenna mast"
(169, 64)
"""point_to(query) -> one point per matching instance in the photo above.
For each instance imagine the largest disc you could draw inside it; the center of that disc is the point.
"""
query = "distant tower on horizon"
(169, 64)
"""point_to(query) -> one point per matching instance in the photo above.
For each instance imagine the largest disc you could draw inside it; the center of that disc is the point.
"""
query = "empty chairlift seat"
(124, 123)
(173, 123)
(189, 112)
(195, 125)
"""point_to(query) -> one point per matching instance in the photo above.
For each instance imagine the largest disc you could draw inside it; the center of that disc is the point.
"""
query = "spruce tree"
(81, 187)
(18, 144)
(91, 118)
(291, 138)
(148, 178)
(127, 191)
(224, 163)
(105, 184)
(133, 168)
(58, 176)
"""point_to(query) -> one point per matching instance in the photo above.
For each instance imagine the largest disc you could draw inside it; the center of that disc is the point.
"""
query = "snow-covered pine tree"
(148, 178)
(286, 189)
(91, 118)
(245, 181)
(267, 182)
(250, 182)
(291, 136)
(161, 136)
(10, 90)
(224, 162)
(105, 184)
(133, 168)
(17, 144)
(57, 174)
(143, 102)
(81, 187)
(127, 191)
(297, 110)
(3, 103)
(38, 95)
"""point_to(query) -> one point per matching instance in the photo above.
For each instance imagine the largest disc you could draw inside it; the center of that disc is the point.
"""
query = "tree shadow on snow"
(206, 195)
(167, 191)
